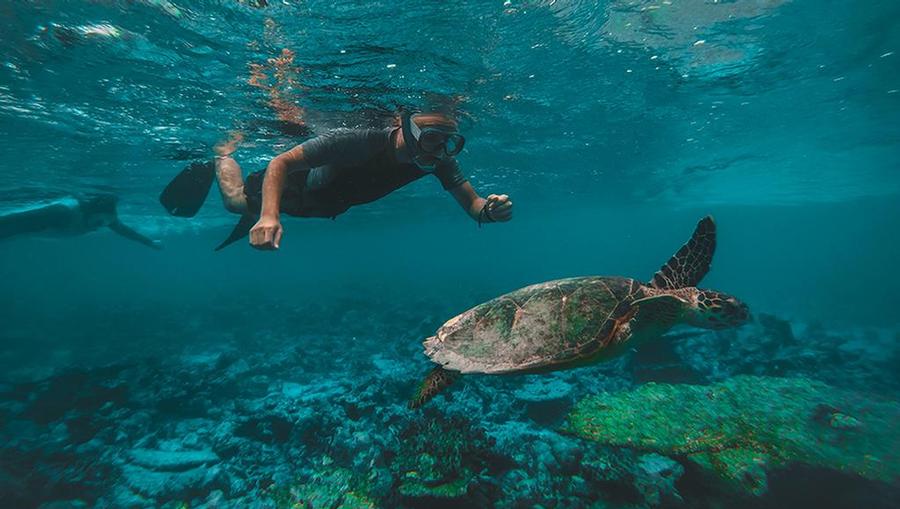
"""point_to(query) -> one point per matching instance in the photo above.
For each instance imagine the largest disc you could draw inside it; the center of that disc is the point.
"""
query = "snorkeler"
(328, 174)
(69, 217)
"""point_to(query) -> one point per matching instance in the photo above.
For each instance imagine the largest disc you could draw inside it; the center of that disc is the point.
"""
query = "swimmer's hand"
(498, 208)
(266, 233)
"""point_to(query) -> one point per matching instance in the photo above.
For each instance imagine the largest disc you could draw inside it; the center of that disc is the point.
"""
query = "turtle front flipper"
(688, 266)
(437, 380)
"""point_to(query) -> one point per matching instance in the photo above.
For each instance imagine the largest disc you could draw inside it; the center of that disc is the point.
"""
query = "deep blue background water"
(614, 127)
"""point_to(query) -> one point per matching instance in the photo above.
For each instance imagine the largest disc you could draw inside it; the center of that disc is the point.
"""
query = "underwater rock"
(776, 328)
(65, 504)
(324, 390)
(165, 485)
(293, 390)
(747, 426)
(614, 475)
(173, 475)
(550, 469)
(388, 368)
(655, 477)
(289, 412)
(772, 346)
(658, 361)
(41, 472)
(536, 447)
(76, 392)
(122, 496)
(240, 367)
(173, 461)
(547, 398)
(270, 428)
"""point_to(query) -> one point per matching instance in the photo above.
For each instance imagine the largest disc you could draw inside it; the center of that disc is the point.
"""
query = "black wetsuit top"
(347, 167)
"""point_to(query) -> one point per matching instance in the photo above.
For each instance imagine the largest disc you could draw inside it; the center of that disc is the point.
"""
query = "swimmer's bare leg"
(228, 174)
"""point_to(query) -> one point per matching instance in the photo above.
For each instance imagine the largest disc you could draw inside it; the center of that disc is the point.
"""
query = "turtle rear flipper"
(688, 266)
(437, 380)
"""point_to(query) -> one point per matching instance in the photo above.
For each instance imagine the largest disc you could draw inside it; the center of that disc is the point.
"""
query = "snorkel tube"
(410, 138)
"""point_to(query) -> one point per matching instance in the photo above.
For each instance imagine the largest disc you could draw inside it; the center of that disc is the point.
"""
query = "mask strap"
(409, 138)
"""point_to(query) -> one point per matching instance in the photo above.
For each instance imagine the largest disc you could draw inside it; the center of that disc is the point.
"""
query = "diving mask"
(437, 142)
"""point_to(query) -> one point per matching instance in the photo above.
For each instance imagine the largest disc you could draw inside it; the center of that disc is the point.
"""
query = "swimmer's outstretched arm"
(127, 232)
(494, 208)
(266, 233)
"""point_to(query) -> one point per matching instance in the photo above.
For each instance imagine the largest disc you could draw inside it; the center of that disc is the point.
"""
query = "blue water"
(613, 126)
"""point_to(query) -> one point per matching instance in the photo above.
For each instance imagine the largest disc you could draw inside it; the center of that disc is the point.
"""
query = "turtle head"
(716, 310)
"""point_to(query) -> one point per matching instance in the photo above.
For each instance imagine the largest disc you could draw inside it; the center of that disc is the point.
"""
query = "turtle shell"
(539, 327)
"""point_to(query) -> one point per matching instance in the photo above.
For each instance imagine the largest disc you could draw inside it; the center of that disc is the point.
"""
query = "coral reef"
(247, 417)
(441, 458)
(746, 426)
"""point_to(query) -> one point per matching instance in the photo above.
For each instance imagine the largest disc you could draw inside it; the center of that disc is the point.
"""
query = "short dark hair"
(99, 203)
(426, 119)
(431, 118)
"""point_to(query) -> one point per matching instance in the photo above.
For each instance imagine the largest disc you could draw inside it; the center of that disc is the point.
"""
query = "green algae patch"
(741, 428)
(414, 488)
(335, 488)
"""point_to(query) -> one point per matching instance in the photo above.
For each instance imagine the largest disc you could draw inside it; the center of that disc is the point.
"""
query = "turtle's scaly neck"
(689, 294)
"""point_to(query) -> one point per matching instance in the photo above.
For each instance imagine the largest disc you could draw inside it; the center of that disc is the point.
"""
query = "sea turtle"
(577, 321)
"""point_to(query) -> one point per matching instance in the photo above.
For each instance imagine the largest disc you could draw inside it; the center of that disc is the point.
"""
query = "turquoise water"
(613, 126)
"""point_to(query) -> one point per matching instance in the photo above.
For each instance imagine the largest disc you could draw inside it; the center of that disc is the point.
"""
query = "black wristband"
(484, 216)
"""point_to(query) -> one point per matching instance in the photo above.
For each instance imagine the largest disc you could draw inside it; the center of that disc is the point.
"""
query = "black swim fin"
(241, 229)
(186, 193)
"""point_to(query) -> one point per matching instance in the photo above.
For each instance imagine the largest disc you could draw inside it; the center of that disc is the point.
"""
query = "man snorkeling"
(71, 216)
(328, 174)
